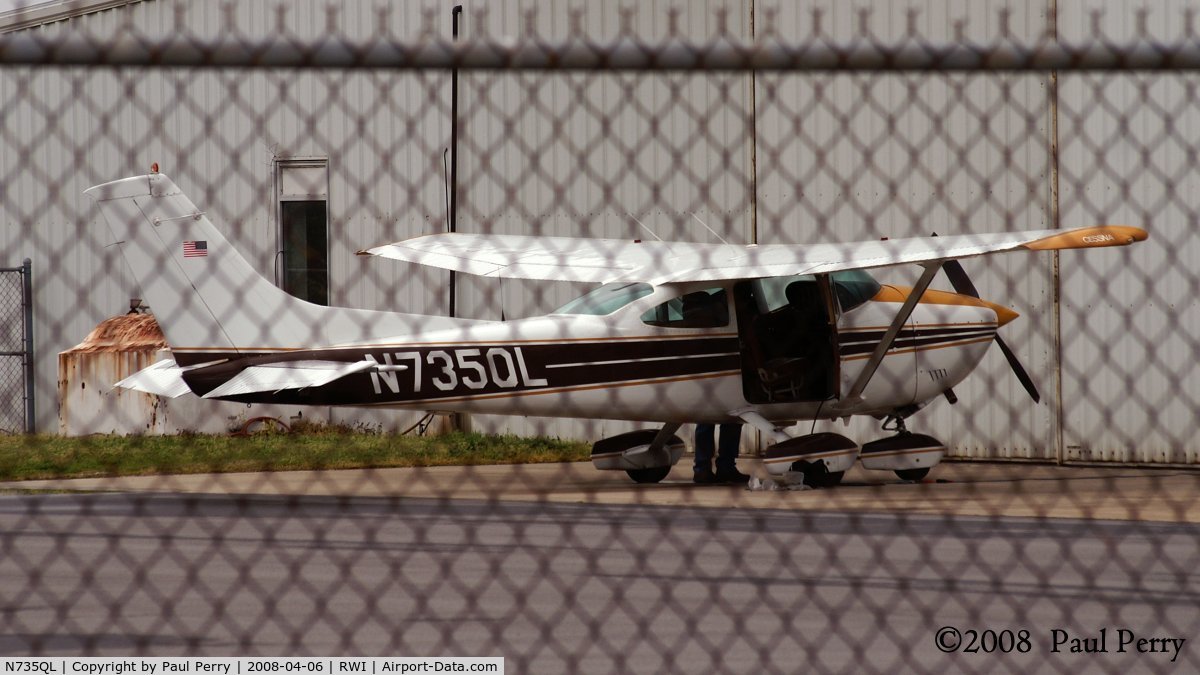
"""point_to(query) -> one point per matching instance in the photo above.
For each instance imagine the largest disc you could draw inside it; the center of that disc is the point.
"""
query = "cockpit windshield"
(853, 288)
(606, 299)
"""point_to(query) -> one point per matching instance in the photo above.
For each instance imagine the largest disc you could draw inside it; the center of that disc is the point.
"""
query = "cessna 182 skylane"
(678, 332)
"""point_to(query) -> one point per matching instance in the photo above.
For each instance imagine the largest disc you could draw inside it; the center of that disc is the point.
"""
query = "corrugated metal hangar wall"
(772, 158)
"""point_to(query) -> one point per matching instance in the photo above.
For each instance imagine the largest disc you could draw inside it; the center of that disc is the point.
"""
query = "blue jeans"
(731, 442)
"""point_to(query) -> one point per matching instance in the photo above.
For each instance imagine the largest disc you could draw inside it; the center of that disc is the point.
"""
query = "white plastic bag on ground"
(791, 481)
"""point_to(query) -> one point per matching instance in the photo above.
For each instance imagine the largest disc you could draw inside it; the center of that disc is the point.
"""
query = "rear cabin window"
(703, 309)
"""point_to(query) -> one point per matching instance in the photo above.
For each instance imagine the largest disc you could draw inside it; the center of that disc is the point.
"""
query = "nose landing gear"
(909, 455)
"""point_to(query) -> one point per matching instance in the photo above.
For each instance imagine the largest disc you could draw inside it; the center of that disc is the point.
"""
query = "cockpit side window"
(771, 292)
(606, 299)
(703, 309)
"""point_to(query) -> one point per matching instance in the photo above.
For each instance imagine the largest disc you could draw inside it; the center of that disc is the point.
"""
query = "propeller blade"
(962, 284)
(959, 279)
(1019, 370)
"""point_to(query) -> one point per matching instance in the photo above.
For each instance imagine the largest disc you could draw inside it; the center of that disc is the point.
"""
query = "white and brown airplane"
(678, 332)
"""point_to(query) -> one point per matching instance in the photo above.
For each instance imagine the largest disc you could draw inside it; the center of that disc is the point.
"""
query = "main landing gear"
(646, 455)
(822, 459)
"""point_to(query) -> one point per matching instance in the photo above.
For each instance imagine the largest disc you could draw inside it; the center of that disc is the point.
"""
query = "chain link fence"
(286, 137)
(15, 350)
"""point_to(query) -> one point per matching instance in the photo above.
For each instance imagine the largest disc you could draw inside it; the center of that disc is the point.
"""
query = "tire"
(817, 476)
(652, 475)
(264, 426)
(833, 478)
(913, 474)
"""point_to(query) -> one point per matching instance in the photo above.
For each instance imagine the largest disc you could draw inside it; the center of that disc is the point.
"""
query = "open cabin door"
(788, 339)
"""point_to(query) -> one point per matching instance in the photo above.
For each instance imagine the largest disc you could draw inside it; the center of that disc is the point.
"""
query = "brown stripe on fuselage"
(980, 324)
(916, 340)
(922, 349)
(864, 341)
(479, 369)
(921, 330)
(592, 387)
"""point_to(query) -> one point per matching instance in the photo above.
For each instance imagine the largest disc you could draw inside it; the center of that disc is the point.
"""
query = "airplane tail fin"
(206, 297)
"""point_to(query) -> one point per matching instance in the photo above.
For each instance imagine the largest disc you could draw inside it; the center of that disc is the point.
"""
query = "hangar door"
(1130, 378)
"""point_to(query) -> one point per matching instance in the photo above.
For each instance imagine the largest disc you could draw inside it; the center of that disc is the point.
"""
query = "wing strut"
(854, 396)
(662, 438)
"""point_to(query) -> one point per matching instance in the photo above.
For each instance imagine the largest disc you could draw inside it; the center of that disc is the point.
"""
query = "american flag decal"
(195, 249)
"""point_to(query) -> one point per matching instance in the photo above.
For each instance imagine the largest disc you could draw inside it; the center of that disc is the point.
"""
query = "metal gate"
(16, 349)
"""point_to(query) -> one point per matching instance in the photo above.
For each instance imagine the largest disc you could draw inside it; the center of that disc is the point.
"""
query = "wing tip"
(1099, 236)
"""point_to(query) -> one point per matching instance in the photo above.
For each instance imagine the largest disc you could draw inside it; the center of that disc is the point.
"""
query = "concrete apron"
(954, 488)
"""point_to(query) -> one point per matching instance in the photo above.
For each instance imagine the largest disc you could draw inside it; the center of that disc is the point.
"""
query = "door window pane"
(305, 250)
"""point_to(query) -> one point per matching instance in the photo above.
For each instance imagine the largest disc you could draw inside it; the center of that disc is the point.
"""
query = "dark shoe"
(732, 477)
(704, 478)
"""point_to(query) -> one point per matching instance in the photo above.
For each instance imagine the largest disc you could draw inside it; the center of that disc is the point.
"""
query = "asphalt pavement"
(563, 586)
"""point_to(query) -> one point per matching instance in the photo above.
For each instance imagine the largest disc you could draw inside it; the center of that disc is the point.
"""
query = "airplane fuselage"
(617, 367)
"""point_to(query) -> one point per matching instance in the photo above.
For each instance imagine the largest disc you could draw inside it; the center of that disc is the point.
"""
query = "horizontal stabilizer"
(288, 375)
(164, 378)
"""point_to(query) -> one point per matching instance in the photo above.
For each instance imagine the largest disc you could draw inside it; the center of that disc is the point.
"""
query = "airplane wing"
(527, 257)
(609, 260)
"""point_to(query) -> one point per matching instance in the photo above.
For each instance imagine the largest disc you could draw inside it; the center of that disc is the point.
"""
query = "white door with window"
(303, 189)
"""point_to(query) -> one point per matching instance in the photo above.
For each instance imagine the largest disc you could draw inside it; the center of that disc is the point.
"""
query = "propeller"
(962, 284)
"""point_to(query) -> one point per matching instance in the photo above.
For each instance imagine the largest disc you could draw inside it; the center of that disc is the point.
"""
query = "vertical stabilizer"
(207, 297)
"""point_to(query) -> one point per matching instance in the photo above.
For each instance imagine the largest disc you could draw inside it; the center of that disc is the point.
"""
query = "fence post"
(1060, 419)
(27, 305)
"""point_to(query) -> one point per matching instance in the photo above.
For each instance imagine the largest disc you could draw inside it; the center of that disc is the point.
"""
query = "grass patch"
(45, 456)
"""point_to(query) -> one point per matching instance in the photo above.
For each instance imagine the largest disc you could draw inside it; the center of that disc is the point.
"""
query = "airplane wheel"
(833, 478)
(262, 426)
(912, 474)
(652, 475)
